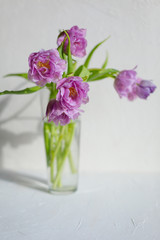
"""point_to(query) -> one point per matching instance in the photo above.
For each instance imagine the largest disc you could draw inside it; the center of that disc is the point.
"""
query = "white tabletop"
(108, 206)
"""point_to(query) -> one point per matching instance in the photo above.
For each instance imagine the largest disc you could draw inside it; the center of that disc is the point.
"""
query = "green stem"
(58, 143)
(71, 163)
(58, 164)
(53, 90)
(70, 62)
(46, 131)
(58, 158)
(55, 151)
(66, 152)
(52, 152)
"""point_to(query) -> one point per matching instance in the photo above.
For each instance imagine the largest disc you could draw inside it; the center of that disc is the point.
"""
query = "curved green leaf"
(92, 52)
(23, 75)
(105, 62)
(98, 74)
(60, 49)
(23, 91)
(82, 72)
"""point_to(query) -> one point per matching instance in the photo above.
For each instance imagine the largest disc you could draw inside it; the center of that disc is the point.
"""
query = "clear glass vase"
(62, 154)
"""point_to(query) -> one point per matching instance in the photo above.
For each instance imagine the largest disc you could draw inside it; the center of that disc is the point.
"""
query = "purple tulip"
(78, 41)
(72, 92)
(126, 83)
(45, 67)
(56, 113)
(144, 88)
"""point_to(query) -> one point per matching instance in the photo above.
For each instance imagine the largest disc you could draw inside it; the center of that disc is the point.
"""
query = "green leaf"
(98, 74)
(82, 72)
(74, 65)
(64, 56)
(23, 75)
(60, 50)
(70, 63)
(23, 91)
(92, 52)
(105, 62)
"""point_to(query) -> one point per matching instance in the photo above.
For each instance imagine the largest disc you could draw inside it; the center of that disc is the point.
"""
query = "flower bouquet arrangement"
(68, 85)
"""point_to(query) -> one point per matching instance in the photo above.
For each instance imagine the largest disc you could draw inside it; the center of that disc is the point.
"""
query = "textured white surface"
(116, 134)
(106, 206)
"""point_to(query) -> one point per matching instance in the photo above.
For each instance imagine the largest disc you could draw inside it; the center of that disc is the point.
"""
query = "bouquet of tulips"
(68, 87)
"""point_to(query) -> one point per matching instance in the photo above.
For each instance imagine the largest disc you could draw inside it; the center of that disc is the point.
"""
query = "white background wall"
(116, 135)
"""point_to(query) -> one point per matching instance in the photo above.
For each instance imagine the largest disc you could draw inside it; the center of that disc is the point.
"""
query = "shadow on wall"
(13, 139)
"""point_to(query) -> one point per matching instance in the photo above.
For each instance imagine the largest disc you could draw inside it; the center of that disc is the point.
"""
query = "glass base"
(63, 190)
